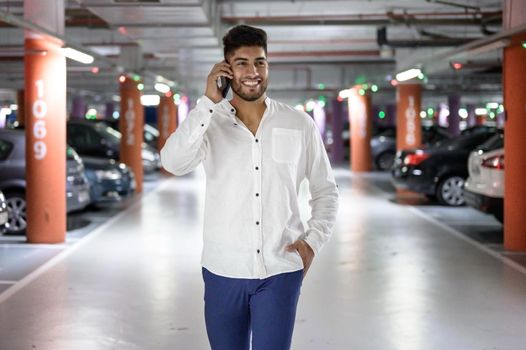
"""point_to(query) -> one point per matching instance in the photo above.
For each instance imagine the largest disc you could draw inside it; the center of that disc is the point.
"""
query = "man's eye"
(241, 64)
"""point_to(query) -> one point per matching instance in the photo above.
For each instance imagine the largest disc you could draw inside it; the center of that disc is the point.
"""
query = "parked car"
(383, 146)
(4, 219)
(484, 188)
(13, 180)
(150, 133)
(438, 171)
(478, 128)
(110, 181)
(97, 139)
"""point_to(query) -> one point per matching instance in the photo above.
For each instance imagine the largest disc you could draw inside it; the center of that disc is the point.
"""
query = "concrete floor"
(392, 277)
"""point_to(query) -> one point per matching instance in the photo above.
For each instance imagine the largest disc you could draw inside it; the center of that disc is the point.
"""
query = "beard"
(237, 88)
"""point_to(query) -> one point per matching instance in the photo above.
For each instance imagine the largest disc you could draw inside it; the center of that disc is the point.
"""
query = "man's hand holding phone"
(213, 92)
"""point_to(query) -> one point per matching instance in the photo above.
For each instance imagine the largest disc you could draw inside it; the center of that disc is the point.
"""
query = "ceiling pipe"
(381, 36)
(493, 42)
(389, 18)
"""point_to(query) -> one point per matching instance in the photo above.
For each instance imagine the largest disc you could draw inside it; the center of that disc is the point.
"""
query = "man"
(255, 153)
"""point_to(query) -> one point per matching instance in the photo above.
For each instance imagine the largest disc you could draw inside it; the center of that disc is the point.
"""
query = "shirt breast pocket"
(286, 145)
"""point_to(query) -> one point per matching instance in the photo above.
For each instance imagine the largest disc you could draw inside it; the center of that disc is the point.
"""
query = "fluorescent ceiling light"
(163, 88)
(150, 100)
(481, 111)
(408, 74)
(77, 55)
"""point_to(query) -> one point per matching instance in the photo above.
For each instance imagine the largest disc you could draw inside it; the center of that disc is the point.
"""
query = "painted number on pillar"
(39, 111)
(410, 116)
(362, 120)
(130, 123)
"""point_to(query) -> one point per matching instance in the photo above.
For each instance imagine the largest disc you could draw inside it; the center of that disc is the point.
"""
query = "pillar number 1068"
(39, 111)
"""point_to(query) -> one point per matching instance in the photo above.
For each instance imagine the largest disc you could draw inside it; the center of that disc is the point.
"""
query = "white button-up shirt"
(252, 185)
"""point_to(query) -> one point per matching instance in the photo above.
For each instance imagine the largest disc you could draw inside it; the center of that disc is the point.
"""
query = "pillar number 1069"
(39, 111)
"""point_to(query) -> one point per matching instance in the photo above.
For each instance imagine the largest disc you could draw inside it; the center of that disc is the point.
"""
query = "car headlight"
(112, 174)
(2, 197)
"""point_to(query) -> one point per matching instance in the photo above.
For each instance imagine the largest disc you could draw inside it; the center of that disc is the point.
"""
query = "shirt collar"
(231, 111)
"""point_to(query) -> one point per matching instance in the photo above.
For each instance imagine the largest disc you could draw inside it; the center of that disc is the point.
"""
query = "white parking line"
(17, 286)
(469, 240)
(460, 235)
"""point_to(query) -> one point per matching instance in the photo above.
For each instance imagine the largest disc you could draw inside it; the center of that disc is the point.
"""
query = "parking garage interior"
(421, 109)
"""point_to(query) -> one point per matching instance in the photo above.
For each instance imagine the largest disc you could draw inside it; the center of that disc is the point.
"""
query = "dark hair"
(243, 35)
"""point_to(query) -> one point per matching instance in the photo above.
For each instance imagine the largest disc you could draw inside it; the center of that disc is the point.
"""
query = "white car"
(484, 189)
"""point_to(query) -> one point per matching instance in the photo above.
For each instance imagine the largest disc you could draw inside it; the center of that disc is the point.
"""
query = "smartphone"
(223, 84)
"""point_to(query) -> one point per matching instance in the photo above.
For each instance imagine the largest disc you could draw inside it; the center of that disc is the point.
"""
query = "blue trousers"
(237, 307)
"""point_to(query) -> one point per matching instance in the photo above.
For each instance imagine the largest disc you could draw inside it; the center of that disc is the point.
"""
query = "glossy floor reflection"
(389, 279)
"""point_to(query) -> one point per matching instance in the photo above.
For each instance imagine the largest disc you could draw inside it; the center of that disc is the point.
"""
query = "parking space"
(152, 148)
(402, 281)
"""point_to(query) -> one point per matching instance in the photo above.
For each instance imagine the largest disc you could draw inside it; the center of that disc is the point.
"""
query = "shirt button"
(235, 124)
(211, 111)
(202, 124)
(257, 194)
(257, 168)
(257, 140)
(257, 222)
(258, 251)
(232, 110)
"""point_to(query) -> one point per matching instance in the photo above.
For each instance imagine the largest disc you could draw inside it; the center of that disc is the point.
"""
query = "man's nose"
(252, 69)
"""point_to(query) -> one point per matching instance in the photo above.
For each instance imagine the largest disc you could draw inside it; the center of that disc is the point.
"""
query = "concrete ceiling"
(336, 43)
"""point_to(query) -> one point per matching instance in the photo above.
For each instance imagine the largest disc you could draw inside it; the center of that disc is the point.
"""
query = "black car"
(110, 181)
(383, 146)
(150, 133)
(438, 171)
(97, 139)
(13, 179)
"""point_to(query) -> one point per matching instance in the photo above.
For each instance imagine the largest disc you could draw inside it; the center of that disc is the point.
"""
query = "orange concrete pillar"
(131, 126)
(514, 71)
(408, 122)
(360, 121)
(166, 119)
(21, 112)
(45, 106)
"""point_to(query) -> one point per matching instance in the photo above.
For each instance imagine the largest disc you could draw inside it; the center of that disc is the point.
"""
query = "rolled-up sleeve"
(187, 147)
(324, 192)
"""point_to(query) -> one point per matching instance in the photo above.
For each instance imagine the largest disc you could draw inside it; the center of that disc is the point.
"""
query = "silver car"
(13, 179)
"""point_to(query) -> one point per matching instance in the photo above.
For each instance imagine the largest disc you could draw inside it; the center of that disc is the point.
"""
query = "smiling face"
(250, 67)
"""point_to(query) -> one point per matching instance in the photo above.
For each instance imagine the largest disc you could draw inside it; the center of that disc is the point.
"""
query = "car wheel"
(450, 191)
(16, 211)
(385, 160)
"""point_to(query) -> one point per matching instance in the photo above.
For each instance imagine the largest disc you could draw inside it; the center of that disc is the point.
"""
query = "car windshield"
(494, 142)
(5, 149)
(466, 142)
(388, 133)
(152, 130)
(109, 133)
